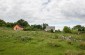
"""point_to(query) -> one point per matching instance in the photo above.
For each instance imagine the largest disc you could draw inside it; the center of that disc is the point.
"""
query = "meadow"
(40, 43)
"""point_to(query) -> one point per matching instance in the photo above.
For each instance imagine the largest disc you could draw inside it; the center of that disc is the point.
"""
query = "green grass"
(38, 43)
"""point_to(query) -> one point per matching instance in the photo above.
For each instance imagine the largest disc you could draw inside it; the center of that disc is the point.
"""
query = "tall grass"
(39, 43)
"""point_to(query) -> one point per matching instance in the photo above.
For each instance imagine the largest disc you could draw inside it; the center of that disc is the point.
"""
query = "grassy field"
(40, 43)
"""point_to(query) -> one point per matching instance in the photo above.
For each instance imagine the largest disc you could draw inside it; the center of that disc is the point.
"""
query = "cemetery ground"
(41, 43)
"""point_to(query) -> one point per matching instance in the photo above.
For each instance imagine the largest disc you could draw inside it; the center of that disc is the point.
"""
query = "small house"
(48, 28)
(18, 27)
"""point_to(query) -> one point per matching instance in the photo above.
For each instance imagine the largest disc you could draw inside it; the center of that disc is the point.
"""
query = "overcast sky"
(57, 13)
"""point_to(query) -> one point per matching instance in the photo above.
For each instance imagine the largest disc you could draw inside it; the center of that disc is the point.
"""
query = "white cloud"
(43, 11)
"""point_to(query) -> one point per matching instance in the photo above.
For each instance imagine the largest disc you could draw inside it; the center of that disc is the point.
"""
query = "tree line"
(27, 26)
(24, 24)
(76, 29)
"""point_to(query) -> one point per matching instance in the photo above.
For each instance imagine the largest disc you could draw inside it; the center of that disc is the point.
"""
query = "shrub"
(74, 31)
(58, 31)
(2, 23)
(52, 30)
(66, 29)
(23, 23)
(27, 28)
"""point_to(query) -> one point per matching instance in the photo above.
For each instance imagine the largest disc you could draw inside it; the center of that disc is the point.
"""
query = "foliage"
(57, 31)
(36, 27)
(79, 28)
(44, 25)
(2, 23)
(52, 30)
(28, 29)
(74, 31)
(22, 23)
(8, 24)
(31, 28)
(67, 29)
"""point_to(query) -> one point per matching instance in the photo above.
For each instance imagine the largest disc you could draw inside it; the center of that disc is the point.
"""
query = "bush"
(52, 30)
(66, 29)
(2, 23)
(58, 31)
(31, 29)
(23, 23)
(27, 28)
(74, 31)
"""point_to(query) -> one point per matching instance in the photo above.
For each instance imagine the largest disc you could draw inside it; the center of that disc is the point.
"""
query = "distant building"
(48, 28)
(18, 27)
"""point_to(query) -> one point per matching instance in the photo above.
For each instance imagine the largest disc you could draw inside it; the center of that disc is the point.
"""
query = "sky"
(58, 13)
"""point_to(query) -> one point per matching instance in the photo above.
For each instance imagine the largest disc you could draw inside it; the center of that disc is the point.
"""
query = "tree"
(52, 30)
(22, 23)
(67, 29)
(8, 24)
(2, 23)
(36, 27)
(44, 25)
(79, 28)
(57, 30)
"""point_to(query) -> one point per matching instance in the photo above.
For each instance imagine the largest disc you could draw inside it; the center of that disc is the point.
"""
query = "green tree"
(8, 24)
(52, 31)
(58, 30)
(2, 23)
(44, 25)
(79, 28)
(36, 27)
(66, 29)
(22, 23)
